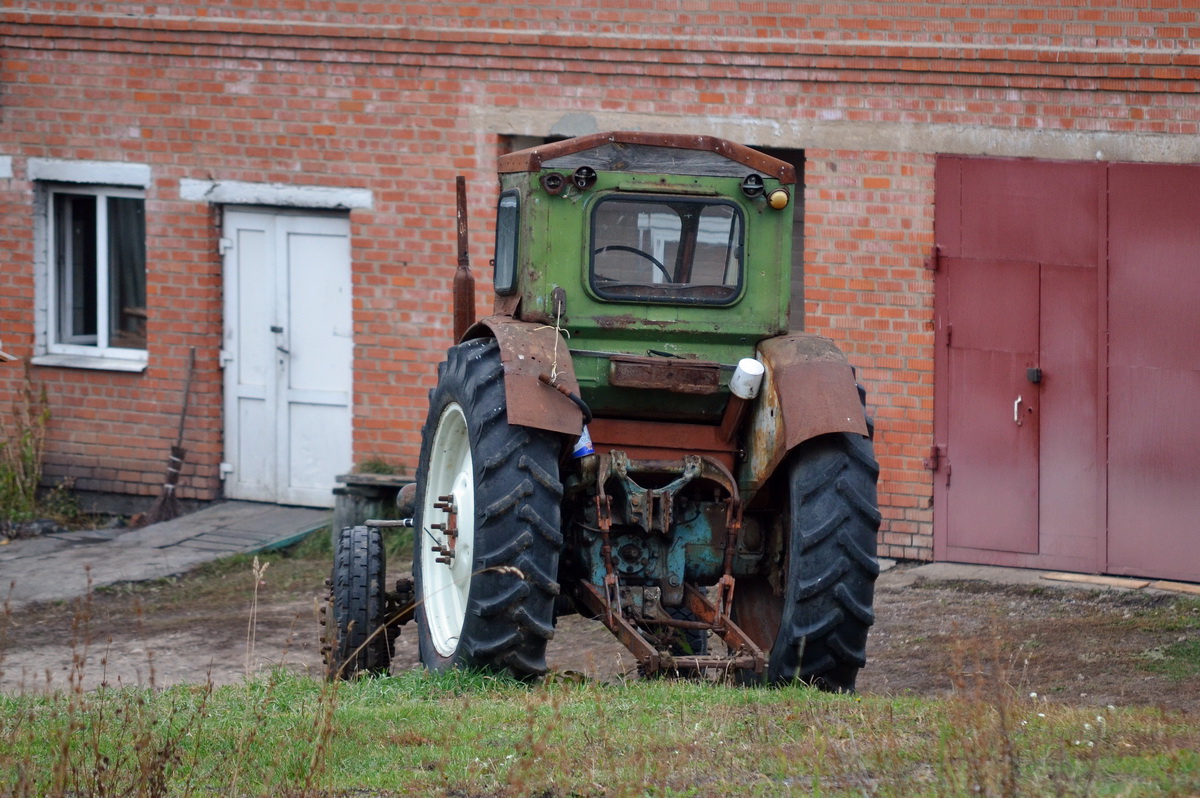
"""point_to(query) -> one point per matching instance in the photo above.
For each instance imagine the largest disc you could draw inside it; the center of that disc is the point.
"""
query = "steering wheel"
(622, 248)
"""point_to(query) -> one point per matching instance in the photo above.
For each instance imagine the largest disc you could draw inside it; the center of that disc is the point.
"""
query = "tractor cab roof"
(649, 153)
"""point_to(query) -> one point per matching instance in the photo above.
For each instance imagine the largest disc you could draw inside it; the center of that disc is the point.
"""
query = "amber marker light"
(778, 199)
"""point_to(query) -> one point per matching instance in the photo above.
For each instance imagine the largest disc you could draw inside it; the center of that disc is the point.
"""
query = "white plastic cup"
(747, 379)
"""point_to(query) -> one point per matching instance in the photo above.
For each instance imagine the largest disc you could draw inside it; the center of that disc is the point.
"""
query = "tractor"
(633, 435)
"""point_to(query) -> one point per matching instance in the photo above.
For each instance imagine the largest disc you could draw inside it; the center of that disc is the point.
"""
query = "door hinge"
(224, 245)
(934, 461)
(226, 358)
(934, 261)
(226, 470)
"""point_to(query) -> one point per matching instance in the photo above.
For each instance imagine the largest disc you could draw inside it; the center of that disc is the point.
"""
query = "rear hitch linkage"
(651, 510)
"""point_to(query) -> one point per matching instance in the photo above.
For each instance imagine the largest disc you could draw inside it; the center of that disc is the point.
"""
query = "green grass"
(470, 734)
(1179, 660)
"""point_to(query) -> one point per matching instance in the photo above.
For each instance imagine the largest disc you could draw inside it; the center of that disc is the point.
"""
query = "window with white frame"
(96, 271)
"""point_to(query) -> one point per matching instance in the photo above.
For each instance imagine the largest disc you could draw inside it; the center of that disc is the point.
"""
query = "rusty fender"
(808, 390)
(529, 351)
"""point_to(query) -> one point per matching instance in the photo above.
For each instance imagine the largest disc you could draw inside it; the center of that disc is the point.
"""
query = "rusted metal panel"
(1154, 371)
(808, 390)
(757, 607)
(529, 351)
(532, 160)
(660, 440)
(664, 373)
(506, 305)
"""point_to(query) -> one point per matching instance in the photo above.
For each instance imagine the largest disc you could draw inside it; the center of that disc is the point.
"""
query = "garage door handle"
(1017, 411)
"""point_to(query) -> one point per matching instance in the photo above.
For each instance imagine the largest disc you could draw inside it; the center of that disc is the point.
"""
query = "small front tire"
(356, 639)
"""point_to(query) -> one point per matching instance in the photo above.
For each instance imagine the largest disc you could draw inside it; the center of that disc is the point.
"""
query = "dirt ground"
(1073, 646)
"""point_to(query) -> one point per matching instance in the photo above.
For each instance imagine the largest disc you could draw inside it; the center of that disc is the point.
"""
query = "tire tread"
(828, 606)
(518, 535)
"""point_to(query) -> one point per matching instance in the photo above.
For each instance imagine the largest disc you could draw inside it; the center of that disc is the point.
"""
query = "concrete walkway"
(1032, 577)
(62, 566)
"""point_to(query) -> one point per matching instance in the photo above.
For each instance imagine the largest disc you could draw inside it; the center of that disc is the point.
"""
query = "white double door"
(288, 350)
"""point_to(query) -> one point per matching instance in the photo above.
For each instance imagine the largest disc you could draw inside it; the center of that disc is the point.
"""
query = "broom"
(166, 506)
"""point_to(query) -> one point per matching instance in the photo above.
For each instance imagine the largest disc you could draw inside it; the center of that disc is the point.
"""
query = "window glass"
(98, 241)
(507, 217)
(75, 261)
(127, 272)
(678, 251)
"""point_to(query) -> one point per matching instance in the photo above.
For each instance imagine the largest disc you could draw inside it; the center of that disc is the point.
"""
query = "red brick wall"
(996, 23)
(869, 226)
(398, 98)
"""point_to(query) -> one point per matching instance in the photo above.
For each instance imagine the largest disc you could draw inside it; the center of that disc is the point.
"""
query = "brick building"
(1001, 188)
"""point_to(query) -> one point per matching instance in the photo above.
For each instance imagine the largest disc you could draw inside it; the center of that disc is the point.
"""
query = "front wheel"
(356, 641)
(487, 534)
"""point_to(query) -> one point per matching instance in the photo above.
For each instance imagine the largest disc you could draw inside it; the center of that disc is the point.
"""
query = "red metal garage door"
(1089, 273)
(1154, 371)
(1018, 414)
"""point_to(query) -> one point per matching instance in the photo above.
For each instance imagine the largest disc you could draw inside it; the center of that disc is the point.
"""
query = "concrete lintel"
(236, 192)
(109, 173)
(871, 136)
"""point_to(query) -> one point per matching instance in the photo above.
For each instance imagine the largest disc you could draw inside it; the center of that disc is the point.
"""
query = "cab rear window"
(668, 250)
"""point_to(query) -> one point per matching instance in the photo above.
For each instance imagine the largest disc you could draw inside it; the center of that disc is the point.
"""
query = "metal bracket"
(934, 261)
(934, 461)
(650, 508)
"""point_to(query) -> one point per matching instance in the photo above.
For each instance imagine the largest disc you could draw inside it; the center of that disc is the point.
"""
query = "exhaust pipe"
(464, 281)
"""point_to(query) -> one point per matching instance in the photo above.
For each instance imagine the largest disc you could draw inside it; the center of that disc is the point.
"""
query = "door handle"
(1017, 411)
(285, 351)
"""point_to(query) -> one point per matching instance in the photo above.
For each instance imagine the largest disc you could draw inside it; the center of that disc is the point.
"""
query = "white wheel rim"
(445, 587)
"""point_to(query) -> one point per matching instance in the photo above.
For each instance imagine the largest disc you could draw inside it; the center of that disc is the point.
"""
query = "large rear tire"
(488, 532)
(356, 639)
(817, 630)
